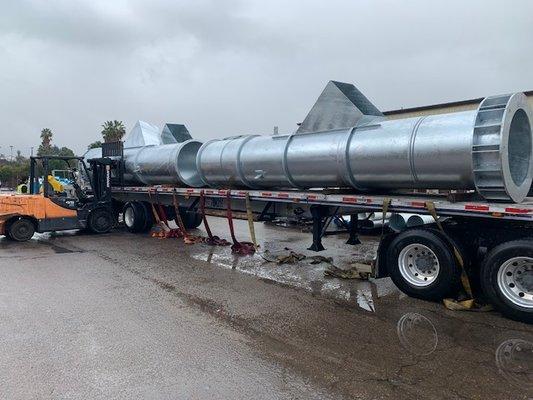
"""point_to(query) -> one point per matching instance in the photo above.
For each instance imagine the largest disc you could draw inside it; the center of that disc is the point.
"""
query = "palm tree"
(113, 131)
(46, 137)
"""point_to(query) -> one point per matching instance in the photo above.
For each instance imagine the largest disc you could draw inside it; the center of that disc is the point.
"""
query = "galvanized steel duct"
(489, 149)
(173, 164)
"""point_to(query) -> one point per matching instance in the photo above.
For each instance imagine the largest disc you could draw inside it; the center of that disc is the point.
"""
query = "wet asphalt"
(122, 316)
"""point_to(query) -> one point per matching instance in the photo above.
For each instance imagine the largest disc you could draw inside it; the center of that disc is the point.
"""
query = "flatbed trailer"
(490, 243)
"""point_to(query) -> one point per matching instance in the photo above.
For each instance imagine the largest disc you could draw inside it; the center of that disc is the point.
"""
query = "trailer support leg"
(317, 212)
(352, 230)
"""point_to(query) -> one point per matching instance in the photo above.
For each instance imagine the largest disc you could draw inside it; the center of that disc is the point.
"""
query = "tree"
(46, 142)
(20, 158)
(95, 145)
(113, 131)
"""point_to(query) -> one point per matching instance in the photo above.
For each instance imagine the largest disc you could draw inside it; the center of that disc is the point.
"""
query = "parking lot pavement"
(130, 316)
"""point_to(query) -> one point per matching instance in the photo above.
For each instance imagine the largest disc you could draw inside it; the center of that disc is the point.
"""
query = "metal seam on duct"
(222, 154)
(285, 165)
(348, 161)
(242, 177)
(137, 169)
(411, 155)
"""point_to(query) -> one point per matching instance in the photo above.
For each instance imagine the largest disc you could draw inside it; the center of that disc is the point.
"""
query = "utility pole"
(11, 154)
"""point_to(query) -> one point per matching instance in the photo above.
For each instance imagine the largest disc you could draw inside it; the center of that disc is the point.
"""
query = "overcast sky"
(234, 67)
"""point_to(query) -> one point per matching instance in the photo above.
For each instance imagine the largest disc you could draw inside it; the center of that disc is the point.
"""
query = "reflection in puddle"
(514, 359)
(417, 334)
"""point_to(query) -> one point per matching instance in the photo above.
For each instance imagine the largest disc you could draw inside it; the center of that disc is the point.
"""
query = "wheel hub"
(128, 217)
(418, 265)
(515, 281)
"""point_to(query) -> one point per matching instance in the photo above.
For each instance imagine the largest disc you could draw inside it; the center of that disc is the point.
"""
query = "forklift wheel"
(100, 221)
(21, 230)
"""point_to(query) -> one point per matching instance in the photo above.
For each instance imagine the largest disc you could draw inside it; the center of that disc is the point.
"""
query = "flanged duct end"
(502, 148)
(186, 166)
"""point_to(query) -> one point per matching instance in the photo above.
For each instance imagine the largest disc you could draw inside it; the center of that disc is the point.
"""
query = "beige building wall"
(441, 109)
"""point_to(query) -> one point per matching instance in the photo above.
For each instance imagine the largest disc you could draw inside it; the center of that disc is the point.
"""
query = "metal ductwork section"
(172, 164)
(488, 149)
(158, 158)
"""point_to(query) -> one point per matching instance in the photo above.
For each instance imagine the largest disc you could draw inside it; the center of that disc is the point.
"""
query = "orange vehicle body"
(34, 206)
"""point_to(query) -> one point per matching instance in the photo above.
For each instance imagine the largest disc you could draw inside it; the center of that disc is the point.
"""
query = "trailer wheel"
(422, 265)
(137, 217)
(21, 230)
(507, 279)
(100, 221)
(149, 216)
(191, 219)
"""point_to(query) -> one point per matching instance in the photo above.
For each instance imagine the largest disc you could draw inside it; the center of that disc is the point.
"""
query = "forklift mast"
(101, 178)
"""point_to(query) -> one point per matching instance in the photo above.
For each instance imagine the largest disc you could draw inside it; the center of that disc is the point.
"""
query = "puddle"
(301, 274)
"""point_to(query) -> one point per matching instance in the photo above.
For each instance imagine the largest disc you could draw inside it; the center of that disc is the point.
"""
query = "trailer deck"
(416, 204)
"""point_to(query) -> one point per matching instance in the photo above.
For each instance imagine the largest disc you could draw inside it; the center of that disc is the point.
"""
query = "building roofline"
(441, 105)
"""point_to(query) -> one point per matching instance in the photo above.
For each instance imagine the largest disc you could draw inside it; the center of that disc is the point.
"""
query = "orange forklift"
(46, 209)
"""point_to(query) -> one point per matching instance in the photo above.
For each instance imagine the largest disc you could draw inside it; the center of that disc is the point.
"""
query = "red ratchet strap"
(161, 218)
(212, 240)
(179, 221)
(161, 210)
(187, 238)
(242, 248)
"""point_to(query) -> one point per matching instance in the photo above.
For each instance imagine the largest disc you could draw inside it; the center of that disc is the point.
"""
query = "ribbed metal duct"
(173, 164)
(489, 149)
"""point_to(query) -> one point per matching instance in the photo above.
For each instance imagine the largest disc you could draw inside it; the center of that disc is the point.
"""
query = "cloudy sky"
(227, 67)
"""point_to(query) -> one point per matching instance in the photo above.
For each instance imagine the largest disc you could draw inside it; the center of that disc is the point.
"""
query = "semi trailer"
(490, 243)
(346, 159)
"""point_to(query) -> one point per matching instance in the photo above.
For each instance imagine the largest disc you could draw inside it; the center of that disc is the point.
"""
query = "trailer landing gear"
(317, 212)
(352, 230)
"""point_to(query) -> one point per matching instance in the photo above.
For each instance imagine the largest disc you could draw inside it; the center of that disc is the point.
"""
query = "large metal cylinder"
(489, 149)
(173, 164)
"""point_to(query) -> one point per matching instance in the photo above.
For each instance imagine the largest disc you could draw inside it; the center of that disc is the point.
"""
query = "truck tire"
(21, 230)
(149, 216)
(191, 219)
(101, 220)
(507, 279)
(137, 217)
(422, 265)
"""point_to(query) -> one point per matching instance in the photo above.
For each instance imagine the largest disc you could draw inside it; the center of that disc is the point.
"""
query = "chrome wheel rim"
(515, 281)
(418, 265)
(128, 217)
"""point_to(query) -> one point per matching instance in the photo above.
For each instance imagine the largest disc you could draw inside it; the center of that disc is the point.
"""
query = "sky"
(231, 67)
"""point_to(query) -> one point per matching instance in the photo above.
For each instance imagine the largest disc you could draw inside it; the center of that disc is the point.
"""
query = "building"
(443, 108)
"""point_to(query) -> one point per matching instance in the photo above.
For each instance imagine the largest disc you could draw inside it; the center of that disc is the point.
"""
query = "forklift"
(47, 208)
